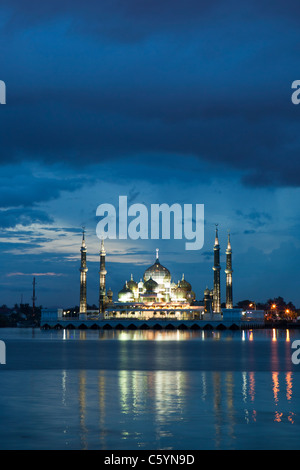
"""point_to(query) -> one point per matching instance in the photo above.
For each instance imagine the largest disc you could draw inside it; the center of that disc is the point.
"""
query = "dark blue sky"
(162, 101)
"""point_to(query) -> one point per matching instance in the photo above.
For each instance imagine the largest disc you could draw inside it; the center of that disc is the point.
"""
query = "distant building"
(51, 314)
(232, 314)
(254, 315)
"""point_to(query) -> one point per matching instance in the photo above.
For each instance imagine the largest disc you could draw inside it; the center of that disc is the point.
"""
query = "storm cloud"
(199, 79)
(162, 100)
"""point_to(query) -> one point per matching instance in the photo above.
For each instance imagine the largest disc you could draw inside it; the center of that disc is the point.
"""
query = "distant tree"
(244, 304)
(278, 301)
(260, 306)
(291, 306)
(92, 307)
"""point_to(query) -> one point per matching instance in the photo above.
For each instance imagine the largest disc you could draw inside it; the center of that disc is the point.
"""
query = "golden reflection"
(291, 417)
(82, 334)
(230, 403)
(102, 408)
(274, 334)
(287, 338)
(250, 335)
(248, 391)
(244, 386)
(82, 408)
(252, 385)
(216, 335)
(244, 395)
(275, 380)
(204, 386)
(289, 385)
(156, 335)
(278, 416)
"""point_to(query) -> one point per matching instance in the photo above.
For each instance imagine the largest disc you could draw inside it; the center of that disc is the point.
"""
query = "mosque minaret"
(83, 271)
(102, 273)
(228, 271)
(217, 281)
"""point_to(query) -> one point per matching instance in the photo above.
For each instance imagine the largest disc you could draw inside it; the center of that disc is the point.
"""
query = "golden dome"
(158, 273)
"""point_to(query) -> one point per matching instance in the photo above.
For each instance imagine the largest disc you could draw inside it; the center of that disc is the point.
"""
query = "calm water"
(149, 390)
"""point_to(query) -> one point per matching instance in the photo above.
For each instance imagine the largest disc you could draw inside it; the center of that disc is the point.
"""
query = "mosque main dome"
(156, 286)
(157, 272)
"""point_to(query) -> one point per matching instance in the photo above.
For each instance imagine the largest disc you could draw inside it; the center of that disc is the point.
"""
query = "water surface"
(154, 390)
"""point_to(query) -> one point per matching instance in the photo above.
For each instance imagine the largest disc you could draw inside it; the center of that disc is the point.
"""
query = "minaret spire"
(217, 235)
(83, 271)
(102, 272)
(228, 271)
(217, 269)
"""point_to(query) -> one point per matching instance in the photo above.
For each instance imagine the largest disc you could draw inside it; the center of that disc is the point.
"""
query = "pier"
(161, 324)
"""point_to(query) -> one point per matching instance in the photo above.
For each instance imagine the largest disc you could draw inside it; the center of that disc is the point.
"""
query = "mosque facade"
(156, 295)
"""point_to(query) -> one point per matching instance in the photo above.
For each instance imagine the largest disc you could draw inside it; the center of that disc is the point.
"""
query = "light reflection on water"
(152, 335)
(167, 410)
(163, 335)
(73, 408)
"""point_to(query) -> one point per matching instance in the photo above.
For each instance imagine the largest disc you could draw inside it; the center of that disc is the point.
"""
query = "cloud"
(12, 217)
(213, 88)
(255, 218)
(165, 101)
(34, 274)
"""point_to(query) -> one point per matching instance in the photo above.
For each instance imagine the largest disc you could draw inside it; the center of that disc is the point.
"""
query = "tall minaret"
(83, 271)
(102, 273)
(217, 269)
(228, 271)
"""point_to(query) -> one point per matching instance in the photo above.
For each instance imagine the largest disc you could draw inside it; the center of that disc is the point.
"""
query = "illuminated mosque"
(157, 286)
(156, 295)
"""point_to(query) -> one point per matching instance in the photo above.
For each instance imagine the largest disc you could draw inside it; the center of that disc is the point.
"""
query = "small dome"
(183, 284)
(125, 289)
(125, 292)
(132, 284)
(191, 295)
(150, 285)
